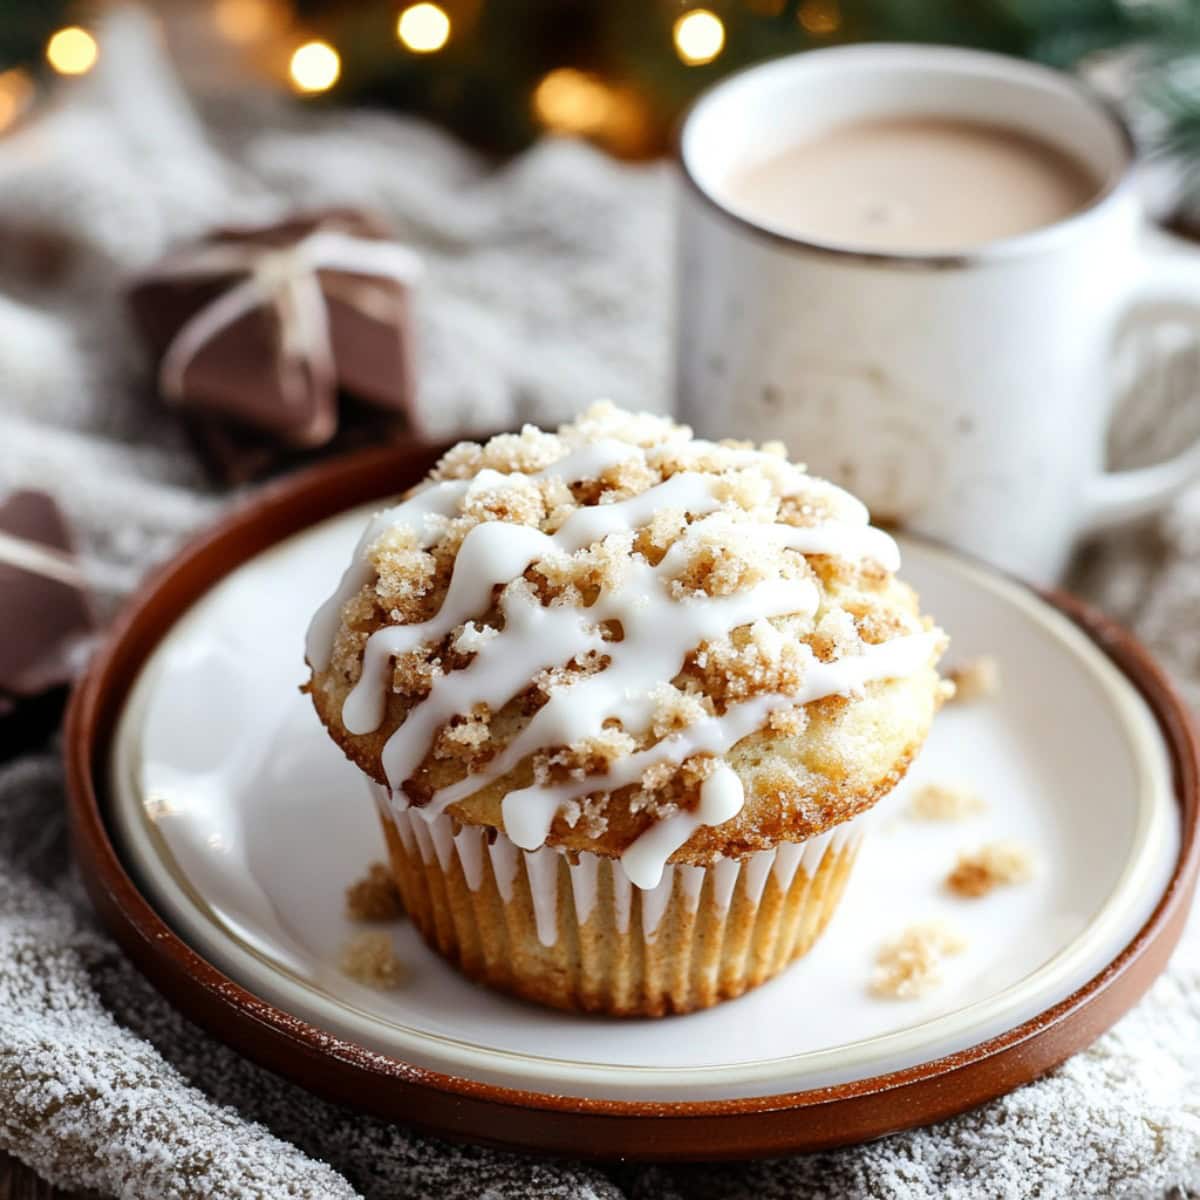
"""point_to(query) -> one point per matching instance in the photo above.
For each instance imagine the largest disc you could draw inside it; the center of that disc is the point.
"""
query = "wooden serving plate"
(358, 1059)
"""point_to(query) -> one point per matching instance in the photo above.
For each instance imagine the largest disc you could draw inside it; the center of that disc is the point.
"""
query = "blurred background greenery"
(499, 72)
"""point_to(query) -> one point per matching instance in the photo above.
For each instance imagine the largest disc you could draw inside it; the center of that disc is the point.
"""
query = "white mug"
(965, 396)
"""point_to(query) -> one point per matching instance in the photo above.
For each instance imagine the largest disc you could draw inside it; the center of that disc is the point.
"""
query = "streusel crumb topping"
(734, 547)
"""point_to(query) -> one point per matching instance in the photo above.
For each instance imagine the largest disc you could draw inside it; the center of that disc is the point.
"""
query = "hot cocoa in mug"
(911, 265)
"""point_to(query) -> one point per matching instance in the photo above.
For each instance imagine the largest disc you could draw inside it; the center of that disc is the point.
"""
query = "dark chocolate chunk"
(45, 617)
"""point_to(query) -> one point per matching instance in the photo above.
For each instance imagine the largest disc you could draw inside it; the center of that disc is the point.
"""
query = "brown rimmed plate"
(611, 1106)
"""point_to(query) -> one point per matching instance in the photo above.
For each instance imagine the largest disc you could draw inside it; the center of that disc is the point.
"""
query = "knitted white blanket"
(548, 287)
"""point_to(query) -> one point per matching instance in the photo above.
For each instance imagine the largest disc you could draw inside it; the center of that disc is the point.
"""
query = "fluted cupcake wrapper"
(574, 933)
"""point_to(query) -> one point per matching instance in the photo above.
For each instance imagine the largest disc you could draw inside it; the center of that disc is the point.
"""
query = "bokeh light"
(16, 94)
(315, 67)
(423, 28)
(72, 51)
(819, 17)
(699, 36)
(572, 101)
(245, 21)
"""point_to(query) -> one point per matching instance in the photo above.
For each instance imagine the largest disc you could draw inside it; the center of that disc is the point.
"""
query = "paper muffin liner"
(572, 932)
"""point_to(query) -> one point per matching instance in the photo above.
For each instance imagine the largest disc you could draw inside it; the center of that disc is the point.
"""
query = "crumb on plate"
(945, 802)
(374, 897)
(974, 679)
(993, 865)
(370, 958)
(910, 965)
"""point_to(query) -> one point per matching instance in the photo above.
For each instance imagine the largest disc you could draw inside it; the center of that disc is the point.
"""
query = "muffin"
(625, 700)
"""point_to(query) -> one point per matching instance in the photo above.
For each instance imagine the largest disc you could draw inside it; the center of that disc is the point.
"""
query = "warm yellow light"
(72, 51)
(315, 67)
(16, 91)
(572, 101)
(699, 36)
(244, 21)
(423, 28)
(819, 17)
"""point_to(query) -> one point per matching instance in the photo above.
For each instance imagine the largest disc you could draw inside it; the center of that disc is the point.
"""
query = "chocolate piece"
(1184, 222)
(258, 328)
(29, 723)
(44, 618)
(236, 454)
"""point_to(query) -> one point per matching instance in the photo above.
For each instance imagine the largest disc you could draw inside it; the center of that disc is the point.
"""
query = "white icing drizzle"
(492, 553)
(721, 799)
(658, 637)
(534, 808)
(584, 887)
(659, 630)
(418, 513)
(435, 500)
(541, 868)
(590, 461)
(655, 902)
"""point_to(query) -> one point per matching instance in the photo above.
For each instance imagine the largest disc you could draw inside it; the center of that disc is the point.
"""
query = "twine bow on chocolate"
(264, 326)
(35, 559)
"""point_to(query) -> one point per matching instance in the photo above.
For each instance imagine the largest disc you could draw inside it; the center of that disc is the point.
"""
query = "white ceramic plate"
(244, 825)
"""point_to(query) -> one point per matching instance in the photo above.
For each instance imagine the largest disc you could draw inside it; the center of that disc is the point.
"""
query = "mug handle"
(1169, 288)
